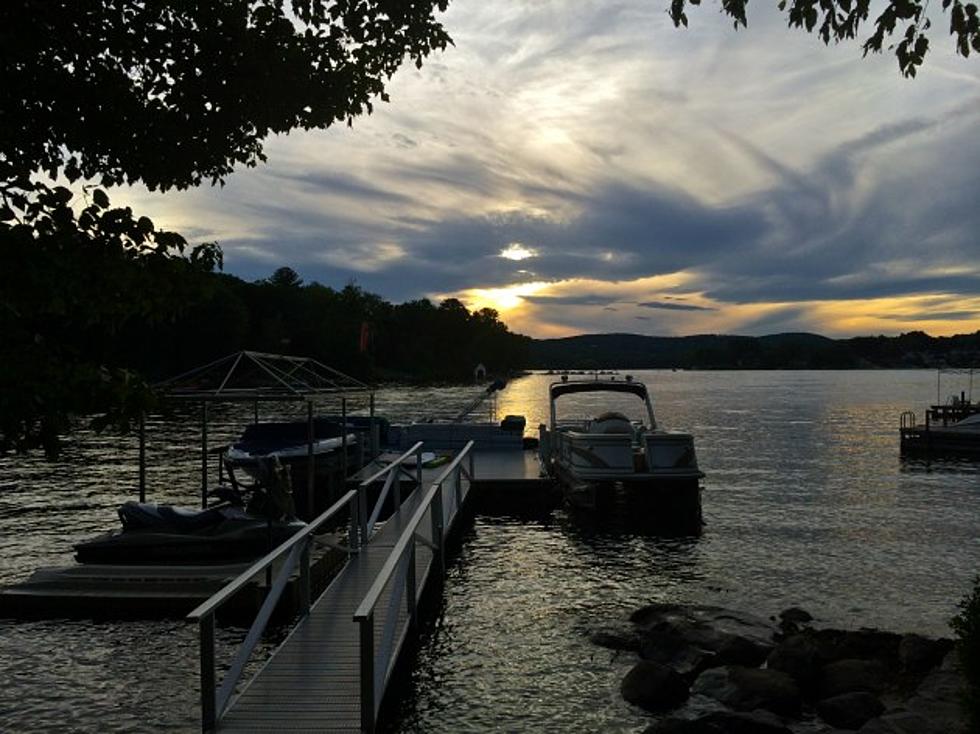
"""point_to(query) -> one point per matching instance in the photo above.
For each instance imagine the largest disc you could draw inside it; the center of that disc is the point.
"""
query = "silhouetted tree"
(839, 20)
(170, 95)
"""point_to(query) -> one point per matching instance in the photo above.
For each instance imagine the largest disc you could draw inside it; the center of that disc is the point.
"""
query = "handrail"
(400, 564)
(397, 462)
(394, 471)
(371, 598)
(226, 591)
(215, 702)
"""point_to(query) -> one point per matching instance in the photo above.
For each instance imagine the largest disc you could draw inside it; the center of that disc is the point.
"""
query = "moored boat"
(594, 457)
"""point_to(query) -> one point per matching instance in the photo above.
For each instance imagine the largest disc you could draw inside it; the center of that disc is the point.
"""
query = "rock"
(917, 655)
(863, 644)
(697, 638)
(846, 676)
(799, 657)
(742, 651)
(746, 689)
(654, 687)
(796, 615)
(654, 612)
(900, 722)
(938, 700)
(722, 722)
(616, 638)
(850, 710)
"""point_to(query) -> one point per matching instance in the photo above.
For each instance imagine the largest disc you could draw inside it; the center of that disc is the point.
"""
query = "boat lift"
(254, 377)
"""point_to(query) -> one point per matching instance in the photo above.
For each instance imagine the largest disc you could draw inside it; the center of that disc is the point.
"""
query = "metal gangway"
(332, 670)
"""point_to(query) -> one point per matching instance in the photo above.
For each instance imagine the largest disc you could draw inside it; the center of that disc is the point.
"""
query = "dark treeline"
(778, 351)
(350, 329)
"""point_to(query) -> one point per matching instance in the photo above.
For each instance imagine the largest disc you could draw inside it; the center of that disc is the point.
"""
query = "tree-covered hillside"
(778, 351)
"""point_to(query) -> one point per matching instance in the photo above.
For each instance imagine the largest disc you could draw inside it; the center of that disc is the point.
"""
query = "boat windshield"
(575, 407)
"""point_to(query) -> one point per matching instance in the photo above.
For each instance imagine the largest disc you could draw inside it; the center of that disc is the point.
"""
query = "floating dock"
(940, 433)
(332, 672)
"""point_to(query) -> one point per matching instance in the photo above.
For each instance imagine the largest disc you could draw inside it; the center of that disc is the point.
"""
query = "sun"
(502, 299)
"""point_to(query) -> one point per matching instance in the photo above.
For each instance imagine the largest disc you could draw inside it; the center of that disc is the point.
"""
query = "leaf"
(100, 198)
(6, 213)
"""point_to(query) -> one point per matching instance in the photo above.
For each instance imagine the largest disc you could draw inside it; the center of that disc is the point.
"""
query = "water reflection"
(806, 502)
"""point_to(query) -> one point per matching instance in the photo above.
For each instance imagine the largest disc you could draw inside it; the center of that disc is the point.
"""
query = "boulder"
(938, 700)
(654, 687)
(722, 722)
(655, 612)
(850, 710)
(799, 657)
(746, 689)
(863, 644)
(695, 638)
(796, 615)
(917, 655)
(738, 650)
(626, 639)
(847, 676)
(900, 722)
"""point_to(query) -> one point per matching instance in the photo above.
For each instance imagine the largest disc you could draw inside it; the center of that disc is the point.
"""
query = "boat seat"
(611, 423)
(144, 515)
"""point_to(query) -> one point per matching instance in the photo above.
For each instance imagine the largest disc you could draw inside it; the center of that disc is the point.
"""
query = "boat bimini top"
(570, 387)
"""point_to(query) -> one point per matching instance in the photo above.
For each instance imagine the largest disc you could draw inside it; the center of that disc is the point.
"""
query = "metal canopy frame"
(255, 377)
(967, 371)
(248, 376)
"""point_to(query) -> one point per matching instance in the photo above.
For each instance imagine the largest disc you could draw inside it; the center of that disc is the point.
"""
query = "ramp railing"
(389, 608)
(296, 550)
(392, 474)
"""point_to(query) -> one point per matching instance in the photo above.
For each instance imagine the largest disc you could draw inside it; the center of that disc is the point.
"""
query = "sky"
(582, 166)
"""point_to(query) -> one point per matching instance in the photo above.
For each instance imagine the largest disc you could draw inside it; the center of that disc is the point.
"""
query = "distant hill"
(776, 351)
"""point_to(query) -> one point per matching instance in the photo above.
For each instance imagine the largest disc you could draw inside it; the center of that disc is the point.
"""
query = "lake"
(806, 503)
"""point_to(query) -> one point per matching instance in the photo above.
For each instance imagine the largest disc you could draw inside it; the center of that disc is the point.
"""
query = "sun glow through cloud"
(517, 251)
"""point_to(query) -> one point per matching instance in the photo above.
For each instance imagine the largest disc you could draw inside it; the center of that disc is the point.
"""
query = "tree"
(285, 278)
(838, 20)
(171, 94)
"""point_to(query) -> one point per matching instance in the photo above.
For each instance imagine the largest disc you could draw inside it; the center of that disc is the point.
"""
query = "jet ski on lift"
(248, 521)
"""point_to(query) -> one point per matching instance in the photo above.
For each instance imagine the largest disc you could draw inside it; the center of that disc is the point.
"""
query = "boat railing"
(296, 554)
(389, 608)
(392, 475)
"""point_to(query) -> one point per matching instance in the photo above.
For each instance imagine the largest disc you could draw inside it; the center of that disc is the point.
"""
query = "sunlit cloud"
(517, 251)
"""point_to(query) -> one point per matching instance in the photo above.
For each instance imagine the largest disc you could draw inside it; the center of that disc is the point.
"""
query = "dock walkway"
(312, 683)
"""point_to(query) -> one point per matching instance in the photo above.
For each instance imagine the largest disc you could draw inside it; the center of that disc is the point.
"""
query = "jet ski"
(234, 530)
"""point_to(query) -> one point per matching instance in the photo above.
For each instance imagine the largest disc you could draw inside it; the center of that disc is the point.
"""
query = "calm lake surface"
(806, 502)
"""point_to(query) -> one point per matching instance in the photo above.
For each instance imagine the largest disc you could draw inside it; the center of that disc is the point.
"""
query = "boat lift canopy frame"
(253, 377)
(968, 371)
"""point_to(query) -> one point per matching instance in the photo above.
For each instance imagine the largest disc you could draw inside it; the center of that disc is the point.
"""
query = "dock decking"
(312, 683)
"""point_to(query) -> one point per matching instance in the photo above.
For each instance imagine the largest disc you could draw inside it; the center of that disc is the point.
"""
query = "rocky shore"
(708, 670)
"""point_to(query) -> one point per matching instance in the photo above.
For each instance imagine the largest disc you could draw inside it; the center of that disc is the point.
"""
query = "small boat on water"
(593, 457)
(289, 442)
(247, 522)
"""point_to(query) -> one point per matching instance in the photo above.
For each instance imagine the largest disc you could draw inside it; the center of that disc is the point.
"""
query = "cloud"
(668, 306)
(557, 160)
(585, 299)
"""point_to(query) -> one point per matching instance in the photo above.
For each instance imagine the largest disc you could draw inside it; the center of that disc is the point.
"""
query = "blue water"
(806, 503)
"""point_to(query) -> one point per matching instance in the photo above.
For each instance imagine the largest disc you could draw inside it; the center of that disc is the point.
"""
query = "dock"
(940, 434)
(332, 671)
